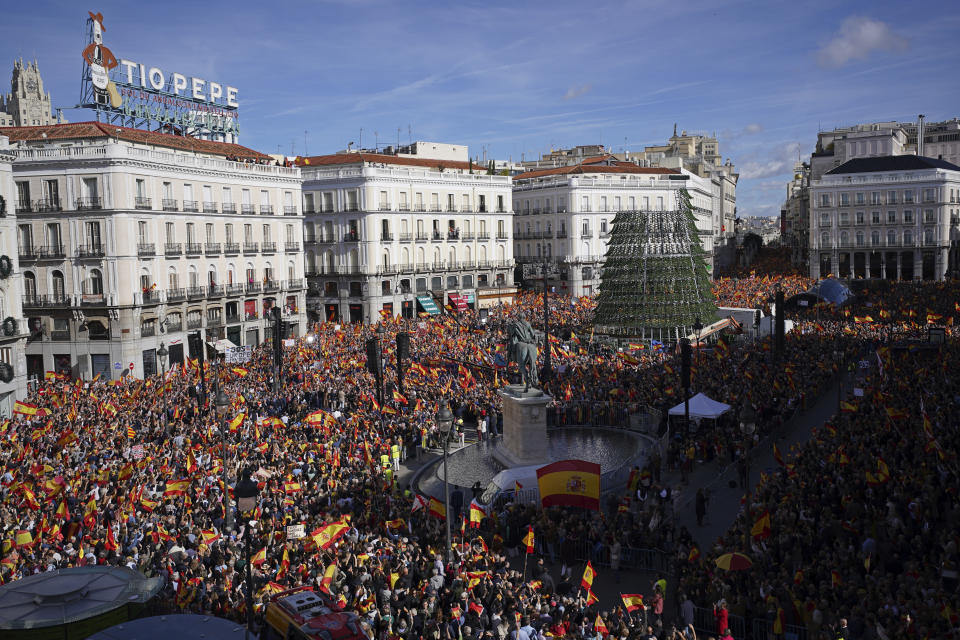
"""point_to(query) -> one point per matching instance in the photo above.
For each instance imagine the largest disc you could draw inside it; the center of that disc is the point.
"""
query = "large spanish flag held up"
(570, 483)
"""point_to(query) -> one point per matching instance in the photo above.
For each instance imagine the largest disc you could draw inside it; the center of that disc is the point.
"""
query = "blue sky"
(518, 78)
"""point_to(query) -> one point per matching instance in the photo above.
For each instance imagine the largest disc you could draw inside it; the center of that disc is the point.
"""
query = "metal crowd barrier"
(706, 625)
(630, 557)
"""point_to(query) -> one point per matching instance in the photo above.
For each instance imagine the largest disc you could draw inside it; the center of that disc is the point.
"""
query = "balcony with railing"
(195, 292)
(141, 202)
(291, 247)
(467, 236)
(483, 235)
(586, 233)
(228, 207)
(406, 236)
(231, 248)
(266, 209)
(453, 234)
(209, 207)
(268, 247)
(351, 236)
(235, 289)
(253, 287)
(90, 251)
(502, 235)
(23, 207)
(172, 249)
(289, 210)
(247, 209)
(148, 330)
(249, 247)
(190, 205)
(215, 291)
(176, 295)
(294, 284)
(194, 248)
(146, 249)
(174, 325)
(214, 321)
(561, 234)
(169, 204)
(422, 237)
(270, 286)
(93, 299)
(211, 249)
(386, 237)
(89, 203)
(233, 318)
(47, 205)
(42, 301)
(385, 269)
(52, 252)
(150, 296)
(437, 236)
(251, 315)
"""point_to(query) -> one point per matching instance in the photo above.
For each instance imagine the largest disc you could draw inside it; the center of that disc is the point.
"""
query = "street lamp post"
(223, 404)
(247, 493)
(748, 425)
(697, 328)
(380, 331)
(445, 423)
(162, 353)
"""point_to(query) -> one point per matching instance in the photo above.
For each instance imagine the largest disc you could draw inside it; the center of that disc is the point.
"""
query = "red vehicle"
(303, 614)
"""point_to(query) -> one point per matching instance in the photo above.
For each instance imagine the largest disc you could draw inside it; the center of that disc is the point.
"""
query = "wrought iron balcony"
(386, 237)
(194, 323)
(23, 207)
(194, 248)
(215, 291)
(406, 236)
(145, 249)
(266, 209)
(234, 289)
(268, 247)
(253, 287)
(143, 203)
(190, 205)
(209, 207)
(294, 284)
(422, 237)
(289, 210)
(89, 202)
(249, 247)
(47, 205)
(351, 236)
(247, 208)
(176, 295)
(271, 285)
(90, 251)
(169, 204)
(172, 249)
(228, 207)
(212, 248)
(195, 292)
(45, 300)
(291, 247)
(231, 247)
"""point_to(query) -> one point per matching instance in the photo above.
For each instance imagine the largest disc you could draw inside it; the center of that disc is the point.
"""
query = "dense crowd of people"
(130, 472)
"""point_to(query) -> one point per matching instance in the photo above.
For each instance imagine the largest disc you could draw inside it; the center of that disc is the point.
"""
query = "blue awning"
(428, 305)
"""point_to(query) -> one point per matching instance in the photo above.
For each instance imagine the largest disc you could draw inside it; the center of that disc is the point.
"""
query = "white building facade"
(13, 330)
(130, 238)
(894, 217)
(565, 214)
(403, 235)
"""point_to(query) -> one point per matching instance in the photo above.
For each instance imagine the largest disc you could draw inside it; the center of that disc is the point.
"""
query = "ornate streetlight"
(162, 353)
(445, 423)
(247, 492)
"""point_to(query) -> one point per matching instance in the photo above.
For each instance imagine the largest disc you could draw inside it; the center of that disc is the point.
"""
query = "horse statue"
(522, 349)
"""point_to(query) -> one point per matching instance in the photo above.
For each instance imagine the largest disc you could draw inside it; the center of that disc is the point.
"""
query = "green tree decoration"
(655, 282)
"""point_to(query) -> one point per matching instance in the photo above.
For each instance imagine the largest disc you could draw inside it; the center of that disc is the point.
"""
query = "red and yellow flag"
(588, 575)
(632, 601)
(437, 508)
(528, 539)
(599, 626)
(571, 483)
(324, 537)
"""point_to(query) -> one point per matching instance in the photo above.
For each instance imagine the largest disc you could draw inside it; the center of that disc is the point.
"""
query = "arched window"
(291, 270)
(875, 238)
(57, 282)
(825, 239)
(406, 256)
(386, 258)
(501, 253)
(29, 284)
(95, 282)
(859, 238)
(928, 237)
(891, 238)
(844, 238)
(907, 237)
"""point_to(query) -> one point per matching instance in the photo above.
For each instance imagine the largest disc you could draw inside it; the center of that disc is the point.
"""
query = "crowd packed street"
(859, 524)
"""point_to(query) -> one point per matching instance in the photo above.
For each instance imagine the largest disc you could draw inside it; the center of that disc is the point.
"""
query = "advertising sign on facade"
(135, 94)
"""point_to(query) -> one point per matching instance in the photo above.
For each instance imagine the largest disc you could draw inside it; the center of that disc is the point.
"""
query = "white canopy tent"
(702, 407)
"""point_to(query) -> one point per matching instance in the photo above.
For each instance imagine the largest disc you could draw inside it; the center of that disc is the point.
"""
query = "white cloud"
(780, 163)
(752, 128)
(576, 92)
(857, 38)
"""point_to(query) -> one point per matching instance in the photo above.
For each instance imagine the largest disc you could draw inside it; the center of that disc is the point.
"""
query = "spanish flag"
(23, 538)
(437, 508)
(761, 528)
(632, 601)
(292, 487)
(327, 579)
(592, 598)
(24, 408)
(399, 397)
(848, 407)
(209, 536)
(240, 371)
(599, 626)
(571, 483)
(694, 554)
(394, 524)
(259, 557)
(176, 488)
(325, 536)
(528, 539)
(588, 575)
(237, 421)
(476, 515)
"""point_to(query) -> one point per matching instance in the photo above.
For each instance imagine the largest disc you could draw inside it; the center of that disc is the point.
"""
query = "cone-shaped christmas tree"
(655, 282)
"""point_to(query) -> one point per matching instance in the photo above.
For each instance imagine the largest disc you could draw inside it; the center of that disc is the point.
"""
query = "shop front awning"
(222, 345)
(428, 305)
(459, 302)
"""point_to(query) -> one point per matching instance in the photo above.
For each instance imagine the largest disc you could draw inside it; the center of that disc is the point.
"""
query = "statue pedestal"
(524, 427)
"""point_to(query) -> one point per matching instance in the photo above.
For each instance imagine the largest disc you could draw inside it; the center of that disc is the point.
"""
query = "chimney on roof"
(920, 134)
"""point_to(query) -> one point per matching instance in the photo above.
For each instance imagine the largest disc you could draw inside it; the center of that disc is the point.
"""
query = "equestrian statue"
(522, 349)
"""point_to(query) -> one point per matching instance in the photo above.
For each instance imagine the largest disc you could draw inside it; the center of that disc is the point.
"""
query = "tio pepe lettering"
(196, 89)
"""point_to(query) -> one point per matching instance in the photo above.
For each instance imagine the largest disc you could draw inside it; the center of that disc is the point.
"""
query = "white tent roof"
(702, 407)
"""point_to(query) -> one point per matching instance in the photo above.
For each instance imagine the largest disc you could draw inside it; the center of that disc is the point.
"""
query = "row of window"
(53, 237)
(348, 200)
(893, 196)
(875, 217)
(454, 255)
(327, 229)
(604, 203)
(877, 238)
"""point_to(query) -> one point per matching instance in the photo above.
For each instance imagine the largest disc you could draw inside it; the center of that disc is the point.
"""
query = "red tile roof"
(83, 130)
(592, 167)
(357, 158)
